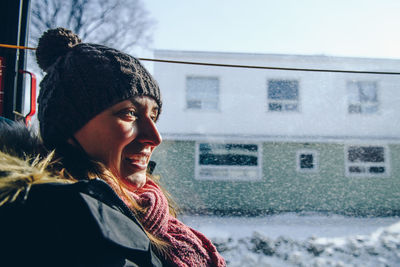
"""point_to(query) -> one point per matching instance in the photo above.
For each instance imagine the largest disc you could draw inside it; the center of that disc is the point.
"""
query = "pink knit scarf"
(188, 247)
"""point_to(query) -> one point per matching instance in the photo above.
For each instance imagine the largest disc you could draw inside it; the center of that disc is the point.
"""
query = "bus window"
(280, 125)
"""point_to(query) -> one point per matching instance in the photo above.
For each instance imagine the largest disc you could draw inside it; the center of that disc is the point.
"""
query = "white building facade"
(234, 116)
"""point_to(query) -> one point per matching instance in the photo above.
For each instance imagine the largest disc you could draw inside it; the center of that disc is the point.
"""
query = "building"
(252, 141)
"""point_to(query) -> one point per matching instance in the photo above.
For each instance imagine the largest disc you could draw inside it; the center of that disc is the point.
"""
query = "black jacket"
(81, 224)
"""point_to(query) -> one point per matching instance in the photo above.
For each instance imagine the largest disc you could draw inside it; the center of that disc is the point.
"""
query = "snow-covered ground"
(303, 239)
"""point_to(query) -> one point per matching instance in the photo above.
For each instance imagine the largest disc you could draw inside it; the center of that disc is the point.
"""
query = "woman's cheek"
(128, 131)
(131, 132)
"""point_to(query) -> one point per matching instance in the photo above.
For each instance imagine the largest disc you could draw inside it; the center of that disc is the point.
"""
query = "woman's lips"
(139, 161)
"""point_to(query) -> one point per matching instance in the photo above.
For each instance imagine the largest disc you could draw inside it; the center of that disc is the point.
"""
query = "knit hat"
(83, 80)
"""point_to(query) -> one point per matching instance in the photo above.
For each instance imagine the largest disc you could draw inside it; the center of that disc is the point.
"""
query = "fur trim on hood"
(23, 163)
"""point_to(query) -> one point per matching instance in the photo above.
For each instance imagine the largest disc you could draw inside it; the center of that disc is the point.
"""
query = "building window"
(202, 93)
(307, 161)
(363, 97)
(367, 161)
(283, 95)
(228, 161)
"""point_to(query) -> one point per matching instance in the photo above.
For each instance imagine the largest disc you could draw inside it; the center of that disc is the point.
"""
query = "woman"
(96, 205)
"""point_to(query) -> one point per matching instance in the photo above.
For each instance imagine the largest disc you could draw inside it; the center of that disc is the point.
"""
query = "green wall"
(281, 188)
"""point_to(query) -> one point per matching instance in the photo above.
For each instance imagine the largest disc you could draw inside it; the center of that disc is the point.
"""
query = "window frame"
(297, 101)
(315, 155)
(361, 103)
(386, 164)
(198, 167)
(202, 100)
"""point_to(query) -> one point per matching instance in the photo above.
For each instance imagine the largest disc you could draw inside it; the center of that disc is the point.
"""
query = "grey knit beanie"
(83, 80)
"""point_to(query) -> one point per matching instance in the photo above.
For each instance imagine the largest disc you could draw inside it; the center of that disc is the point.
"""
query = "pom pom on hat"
(53, 44)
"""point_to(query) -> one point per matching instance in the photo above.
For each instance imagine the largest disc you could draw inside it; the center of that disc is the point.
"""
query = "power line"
(267, 68)
(239, 66)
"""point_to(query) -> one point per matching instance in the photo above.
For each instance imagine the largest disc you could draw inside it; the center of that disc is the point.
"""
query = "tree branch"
(122, 24)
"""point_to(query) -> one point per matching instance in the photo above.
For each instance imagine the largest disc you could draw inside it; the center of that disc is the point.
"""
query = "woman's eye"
(131, 113)
(128, 114)
(154, 115)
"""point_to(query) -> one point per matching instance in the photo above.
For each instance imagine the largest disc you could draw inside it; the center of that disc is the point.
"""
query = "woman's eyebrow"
(134, 102)
(137, 103)
(125, 105)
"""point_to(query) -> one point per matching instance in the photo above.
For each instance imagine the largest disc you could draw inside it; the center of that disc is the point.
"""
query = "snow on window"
(307, 161)
(363, 97)
(228, 161)
(367, 161)
(202, 93)
(283, 95)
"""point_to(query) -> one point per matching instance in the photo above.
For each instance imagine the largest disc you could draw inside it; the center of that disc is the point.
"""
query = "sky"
(354, 28)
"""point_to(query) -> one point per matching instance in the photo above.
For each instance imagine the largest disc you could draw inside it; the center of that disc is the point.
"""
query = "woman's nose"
(148, 132)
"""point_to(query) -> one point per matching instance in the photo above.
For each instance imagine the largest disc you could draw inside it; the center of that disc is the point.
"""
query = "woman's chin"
(135, 181)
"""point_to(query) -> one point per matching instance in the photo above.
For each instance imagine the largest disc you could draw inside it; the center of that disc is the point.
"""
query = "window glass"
(366, 160)
(363, 97)
(283, 95)
(306, 136)
(228, 161)
(307, 161)
(202, 93)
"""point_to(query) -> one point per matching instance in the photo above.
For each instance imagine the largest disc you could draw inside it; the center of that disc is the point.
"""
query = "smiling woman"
(129, 135)
(96, 205)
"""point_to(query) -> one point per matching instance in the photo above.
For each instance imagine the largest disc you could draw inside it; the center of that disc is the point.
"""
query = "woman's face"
(123, 138)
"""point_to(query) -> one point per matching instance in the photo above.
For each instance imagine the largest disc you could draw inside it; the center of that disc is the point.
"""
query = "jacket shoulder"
(57, 218)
